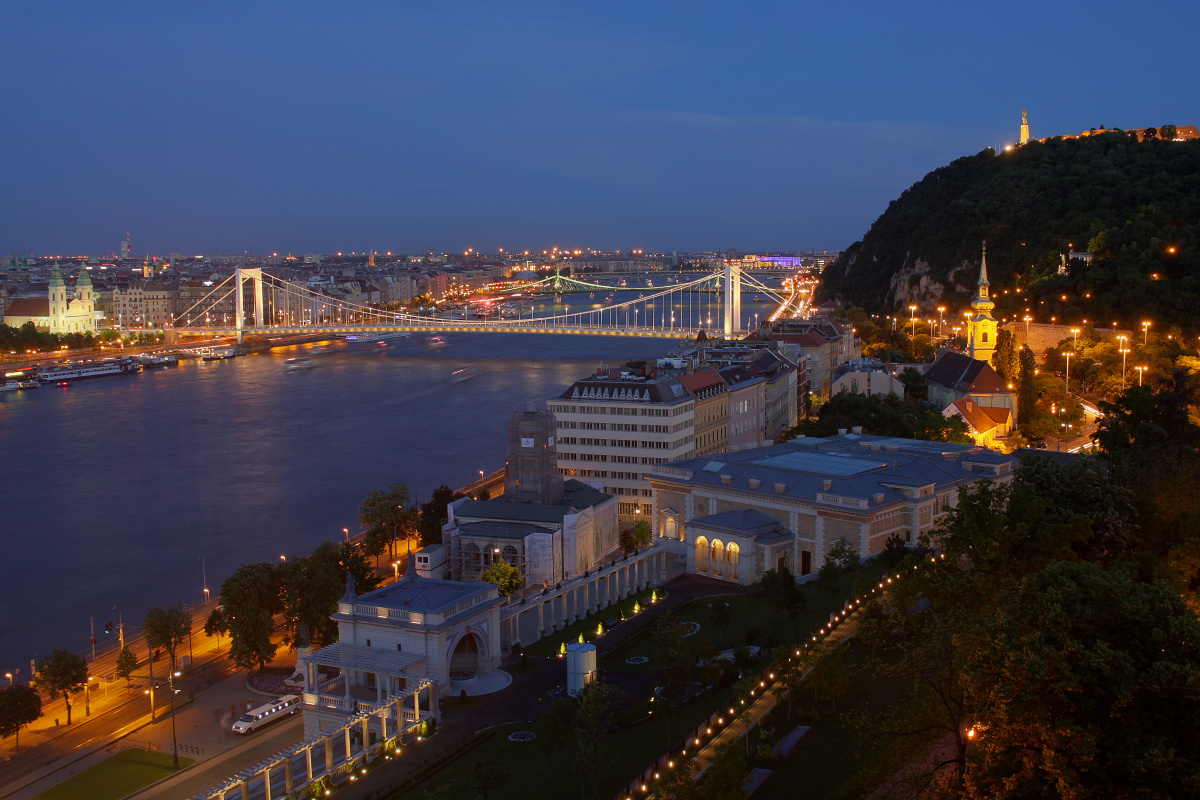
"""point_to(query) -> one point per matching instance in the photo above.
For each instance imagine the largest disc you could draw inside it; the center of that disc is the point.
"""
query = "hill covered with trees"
(1134, 203)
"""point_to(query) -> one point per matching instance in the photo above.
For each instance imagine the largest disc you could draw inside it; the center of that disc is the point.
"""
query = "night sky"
(323, 126)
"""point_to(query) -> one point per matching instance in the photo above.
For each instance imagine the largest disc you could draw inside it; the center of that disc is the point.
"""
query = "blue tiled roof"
(802, 467)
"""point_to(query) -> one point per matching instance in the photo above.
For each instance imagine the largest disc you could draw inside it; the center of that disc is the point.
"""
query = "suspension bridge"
(278, 307)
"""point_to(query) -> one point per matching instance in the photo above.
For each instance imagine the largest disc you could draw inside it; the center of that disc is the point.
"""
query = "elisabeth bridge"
(280, 308)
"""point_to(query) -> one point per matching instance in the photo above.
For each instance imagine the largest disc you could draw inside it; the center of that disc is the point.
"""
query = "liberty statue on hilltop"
(1024, 126)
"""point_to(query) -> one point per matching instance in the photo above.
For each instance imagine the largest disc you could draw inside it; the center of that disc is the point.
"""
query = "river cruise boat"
(218, 354)
(28, 384)
(88, 369)
(9, 386)
(298, 364)
(152, 360)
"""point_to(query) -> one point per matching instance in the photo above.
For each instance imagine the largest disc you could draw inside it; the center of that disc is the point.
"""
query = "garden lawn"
(830, 762)
(747, 611)
(115, 777)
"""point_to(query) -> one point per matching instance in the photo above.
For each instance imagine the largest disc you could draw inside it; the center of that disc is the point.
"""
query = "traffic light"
(108, 627)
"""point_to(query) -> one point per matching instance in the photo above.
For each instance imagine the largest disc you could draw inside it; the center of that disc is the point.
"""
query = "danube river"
(113, 489)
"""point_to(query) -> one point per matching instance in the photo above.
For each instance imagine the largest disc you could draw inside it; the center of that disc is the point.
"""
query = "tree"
(679, 781)
(1168, 132)
(642, 533)
(433, 515)
(61, 673)
(843, 556)
(725, 778)
(1086, 681)
(873, 625)
(250, 599)
(555, 729)
(680, 661)
(597, 706)
(19, 706)
(722, 614)
(505, 576)
(1026, 390)
(894, 550)
(309, 590)
(487, 777)
(1005, 358)
(914, 383)
(167, 628)
(627, 541)
(126, 663)
(927, 670)
(779, 588)
(385, 514)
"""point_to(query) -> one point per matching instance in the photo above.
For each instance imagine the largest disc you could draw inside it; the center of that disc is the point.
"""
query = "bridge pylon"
(239, 305)
(733, 299)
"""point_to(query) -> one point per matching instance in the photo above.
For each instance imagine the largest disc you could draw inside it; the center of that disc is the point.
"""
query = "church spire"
(983, 281)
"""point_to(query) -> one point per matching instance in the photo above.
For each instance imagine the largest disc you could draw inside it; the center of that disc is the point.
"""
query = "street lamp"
(912, 311)
(1124, 351)
(1068, 386)
(174, 741)
(346, 534)
(941, 310)
(1075, 341)
(1140, 372)
(1145, 332)
(9, 675)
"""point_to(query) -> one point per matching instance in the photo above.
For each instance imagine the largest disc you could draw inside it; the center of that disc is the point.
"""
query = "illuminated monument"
(981, 325)
(1024, 126)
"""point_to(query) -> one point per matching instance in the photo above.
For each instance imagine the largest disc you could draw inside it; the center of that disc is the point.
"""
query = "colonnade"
(317, 756)
(581, 597)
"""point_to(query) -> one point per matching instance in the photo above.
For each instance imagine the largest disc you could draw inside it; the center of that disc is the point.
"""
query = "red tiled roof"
(28, 307)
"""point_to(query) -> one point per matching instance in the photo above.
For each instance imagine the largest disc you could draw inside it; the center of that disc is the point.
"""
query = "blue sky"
(319, 126)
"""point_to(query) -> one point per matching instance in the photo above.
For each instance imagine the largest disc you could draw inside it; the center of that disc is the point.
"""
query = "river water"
(112, 490)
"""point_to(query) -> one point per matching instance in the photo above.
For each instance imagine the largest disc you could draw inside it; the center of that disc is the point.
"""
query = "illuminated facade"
(981, 325)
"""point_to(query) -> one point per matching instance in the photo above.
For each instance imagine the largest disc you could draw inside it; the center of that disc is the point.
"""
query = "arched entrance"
(718, 559)
(733, 557)
(464, 661)
(701, 555)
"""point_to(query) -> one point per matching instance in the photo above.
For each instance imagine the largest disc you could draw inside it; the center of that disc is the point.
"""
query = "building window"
(368, 642)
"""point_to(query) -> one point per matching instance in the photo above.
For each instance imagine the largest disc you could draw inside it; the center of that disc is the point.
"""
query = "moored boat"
(88, 369)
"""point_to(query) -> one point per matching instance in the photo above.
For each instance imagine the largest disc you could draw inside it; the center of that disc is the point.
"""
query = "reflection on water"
(112, 489)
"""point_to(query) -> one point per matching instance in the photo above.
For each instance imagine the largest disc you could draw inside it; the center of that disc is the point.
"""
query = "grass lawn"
(115, 777)
(830, 762)
(747, 611)
(533, 771)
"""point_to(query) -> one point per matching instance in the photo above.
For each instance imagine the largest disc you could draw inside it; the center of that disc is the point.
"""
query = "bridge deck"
(447, 327)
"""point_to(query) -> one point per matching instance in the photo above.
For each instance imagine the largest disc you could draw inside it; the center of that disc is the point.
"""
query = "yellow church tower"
(981, 325)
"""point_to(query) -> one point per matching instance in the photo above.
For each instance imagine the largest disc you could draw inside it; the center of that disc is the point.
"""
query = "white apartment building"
(614, 429)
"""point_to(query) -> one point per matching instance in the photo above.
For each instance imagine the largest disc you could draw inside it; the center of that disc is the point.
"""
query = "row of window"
(618, 411)
(630, 509)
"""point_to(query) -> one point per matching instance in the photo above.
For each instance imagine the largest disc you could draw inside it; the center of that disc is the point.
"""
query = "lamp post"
(1140, 371)
(174, 742)
(912, 311)
(1075, 340)
(1067, 390)
(204, 579)
(9, 675)
(1027, 319)
(1124, 352)
(346, 535)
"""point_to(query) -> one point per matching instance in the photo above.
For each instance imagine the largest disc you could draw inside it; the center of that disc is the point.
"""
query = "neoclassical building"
(738, 514)
(57, 313)
(414, 639)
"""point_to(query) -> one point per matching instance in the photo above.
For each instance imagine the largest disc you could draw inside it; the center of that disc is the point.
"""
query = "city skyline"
(463, 125)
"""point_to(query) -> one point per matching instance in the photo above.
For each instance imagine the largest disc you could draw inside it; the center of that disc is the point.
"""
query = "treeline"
(306, 590)
(27, 337)
(1135, 204)
(1051, 643)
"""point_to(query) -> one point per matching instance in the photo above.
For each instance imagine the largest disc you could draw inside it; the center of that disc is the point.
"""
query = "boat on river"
(9, 386)
(298, 364)
(61, 373)
(218, 354)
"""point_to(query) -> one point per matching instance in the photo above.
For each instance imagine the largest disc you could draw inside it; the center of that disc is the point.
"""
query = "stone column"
(267, 782)
(864, 540)
(245, 790)
(328, 755)
(346, 736)
(289, 784)
(417, 706)
(308, 763)
(347, 674)
(383, 715)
